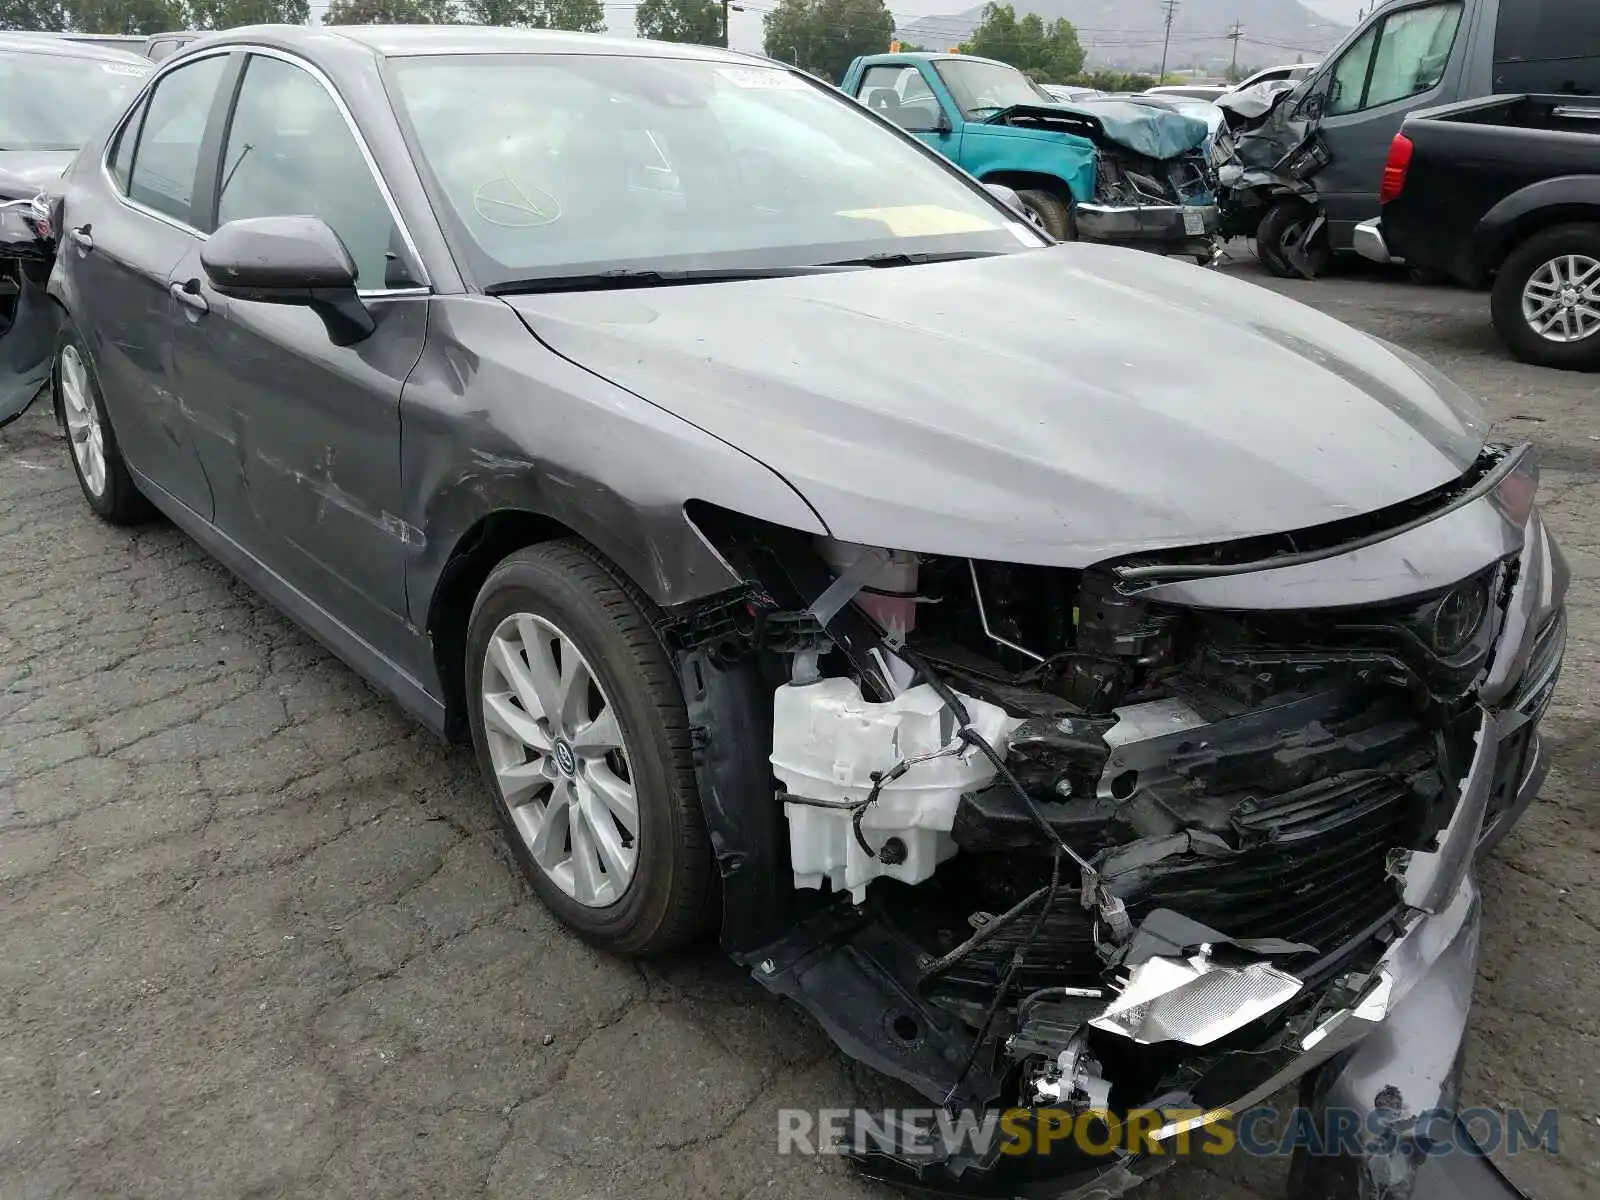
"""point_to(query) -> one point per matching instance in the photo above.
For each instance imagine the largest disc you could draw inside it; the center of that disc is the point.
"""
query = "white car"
(1294, 73)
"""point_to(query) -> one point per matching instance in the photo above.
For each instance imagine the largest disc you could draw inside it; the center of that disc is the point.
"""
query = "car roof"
(49, 43)
(940, 56)
(402, 41)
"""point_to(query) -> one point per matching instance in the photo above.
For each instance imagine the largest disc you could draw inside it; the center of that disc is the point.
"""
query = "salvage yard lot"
(258, 936)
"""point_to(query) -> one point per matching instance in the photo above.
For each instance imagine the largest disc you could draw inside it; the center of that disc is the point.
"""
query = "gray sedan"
(1078, 679)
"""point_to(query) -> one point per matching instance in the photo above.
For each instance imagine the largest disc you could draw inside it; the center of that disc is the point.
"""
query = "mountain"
(1128, 33)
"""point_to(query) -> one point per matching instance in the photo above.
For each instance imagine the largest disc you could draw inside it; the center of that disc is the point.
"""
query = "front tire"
(1546, 301)
(580, 729)
(1050, 213)
(1282, 230)
(97, 460)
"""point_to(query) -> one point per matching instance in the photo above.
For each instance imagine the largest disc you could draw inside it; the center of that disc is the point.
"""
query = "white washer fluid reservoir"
(827, 741)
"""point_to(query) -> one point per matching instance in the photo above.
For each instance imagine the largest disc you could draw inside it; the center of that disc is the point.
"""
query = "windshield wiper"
(895, 258)
(594, 281)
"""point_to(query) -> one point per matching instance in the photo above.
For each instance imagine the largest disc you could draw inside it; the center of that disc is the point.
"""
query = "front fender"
(1499, 226)
(992, 149)
(495, 422)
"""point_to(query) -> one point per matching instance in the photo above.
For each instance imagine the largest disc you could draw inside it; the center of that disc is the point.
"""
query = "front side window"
(902, 95)
(165, 159)
(561, 165)
(290, 152)
(982, 89)
(1403, 55)
(60, 101)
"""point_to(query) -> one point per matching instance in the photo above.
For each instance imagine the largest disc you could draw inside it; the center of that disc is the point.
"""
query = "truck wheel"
(1050, 212)
(1547, 299)
(1283, 229)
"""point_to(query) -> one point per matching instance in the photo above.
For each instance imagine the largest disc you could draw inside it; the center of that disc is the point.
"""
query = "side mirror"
(941, 123)
(289, 260)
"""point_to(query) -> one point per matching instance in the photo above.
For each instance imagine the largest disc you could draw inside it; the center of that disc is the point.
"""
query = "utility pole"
(1172, 10)
(726, 38)
(1235, 36)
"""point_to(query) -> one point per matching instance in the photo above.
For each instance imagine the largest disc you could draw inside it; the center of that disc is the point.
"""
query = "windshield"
(58, 101)
(983, 88)
(554, 165)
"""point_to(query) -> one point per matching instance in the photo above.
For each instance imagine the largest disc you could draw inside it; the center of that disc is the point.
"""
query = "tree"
(389, 12)
(37, 16)
(124, 16)
(579, 16)
(697, 21)
(1051, 52)
(229, 14)
(824, 35)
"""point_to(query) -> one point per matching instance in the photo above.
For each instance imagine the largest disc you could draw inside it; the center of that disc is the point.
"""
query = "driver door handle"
(82, 238)
(188, 295)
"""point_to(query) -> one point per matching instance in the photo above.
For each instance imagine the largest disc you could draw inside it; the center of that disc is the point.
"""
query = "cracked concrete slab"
(260, 937)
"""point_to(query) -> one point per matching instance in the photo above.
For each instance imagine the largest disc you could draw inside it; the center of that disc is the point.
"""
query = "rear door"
(302, 437)
(128, 226)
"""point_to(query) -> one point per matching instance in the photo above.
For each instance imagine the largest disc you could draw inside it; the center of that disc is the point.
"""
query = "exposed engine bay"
(1151, 168)
(1044, 838)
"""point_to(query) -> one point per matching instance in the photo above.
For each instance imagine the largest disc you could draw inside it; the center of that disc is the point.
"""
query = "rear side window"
(122, 152)
(165, 159)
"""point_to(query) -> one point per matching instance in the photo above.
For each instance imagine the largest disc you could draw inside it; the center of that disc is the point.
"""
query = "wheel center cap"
(565, 758)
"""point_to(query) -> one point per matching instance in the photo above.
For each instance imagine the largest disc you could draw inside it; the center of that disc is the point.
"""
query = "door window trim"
(424, 286)
(139, 109)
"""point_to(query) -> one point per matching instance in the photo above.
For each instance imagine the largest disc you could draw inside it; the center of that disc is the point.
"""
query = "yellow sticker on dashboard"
(923, 220)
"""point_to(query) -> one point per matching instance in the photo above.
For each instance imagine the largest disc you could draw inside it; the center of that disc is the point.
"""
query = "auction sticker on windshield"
(762, 77)
(923, 220)
(125, 69)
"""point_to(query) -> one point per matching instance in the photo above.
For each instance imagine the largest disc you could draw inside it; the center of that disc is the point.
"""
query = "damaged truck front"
(1163, 830)
(1109, 169)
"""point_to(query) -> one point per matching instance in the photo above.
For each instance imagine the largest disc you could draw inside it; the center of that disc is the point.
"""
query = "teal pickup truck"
(1115, 169)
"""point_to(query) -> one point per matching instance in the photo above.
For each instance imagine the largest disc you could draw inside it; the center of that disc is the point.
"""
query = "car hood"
(27, 172)
(1056, 407)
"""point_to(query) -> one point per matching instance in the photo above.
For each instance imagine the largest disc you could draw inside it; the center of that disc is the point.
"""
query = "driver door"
(1410, 58)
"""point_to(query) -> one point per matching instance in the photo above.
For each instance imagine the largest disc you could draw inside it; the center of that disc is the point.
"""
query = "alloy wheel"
(83, 421)
(1561, 301)
(560, 760)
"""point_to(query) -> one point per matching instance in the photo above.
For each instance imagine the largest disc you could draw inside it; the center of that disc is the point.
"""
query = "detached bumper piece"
(1171, 228)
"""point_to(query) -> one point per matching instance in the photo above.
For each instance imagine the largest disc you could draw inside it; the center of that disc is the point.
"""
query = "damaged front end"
(1165, 834)
(1155, 187)
(28, 317)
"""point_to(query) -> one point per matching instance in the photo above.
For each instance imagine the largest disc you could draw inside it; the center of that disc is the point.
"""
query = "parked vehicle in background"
(133, 43)
(1101, 169)
(1068, 92)
(1408, 55)
(1293, 73)
(55, 93)
(1504, 192)
(1189, 91)
(160, 46)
